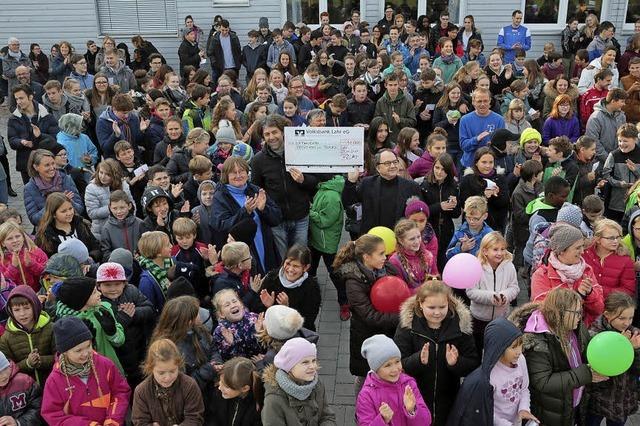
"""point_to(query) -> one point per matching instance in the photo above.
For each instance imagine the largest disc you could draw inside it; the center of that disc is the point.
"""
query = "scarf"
(373, 82)
(158, 273)
(568, 273)
(416, 266)
(291, 284)
(376, 273)
(76, 102)
(299, 392)
(489, 175)
(428, 233)
(70, 369)
(311, 82)
(448, 59)
(240, 196)
(46, 188)
(14, 55)
(165, 396)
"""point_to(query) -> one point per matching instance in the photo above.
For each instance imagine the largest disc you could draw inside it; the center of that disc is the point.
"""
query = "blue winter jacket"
(152, 290)
(455, 244)
(129, 131)
(76, 147)
(34, 199)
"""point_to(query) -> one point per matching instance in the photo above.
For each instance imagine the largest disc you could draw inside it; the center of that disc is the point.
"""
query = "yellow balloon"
(387, 235)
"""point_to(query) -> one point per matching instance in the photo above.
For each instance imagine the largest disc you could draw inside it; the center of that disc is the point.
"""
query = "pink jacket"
(104, 400)
(31, 272)
(375, 391)
(419, 274)
(614, 273)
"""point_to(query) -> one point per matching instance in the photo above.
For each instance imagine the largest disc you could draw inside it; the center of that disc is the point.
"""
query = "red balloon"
(388, 293)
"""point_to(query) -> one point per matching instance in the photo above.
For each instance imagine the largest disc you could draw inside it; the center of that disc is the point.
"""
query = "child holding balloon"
(360, 264)
(412, 258)
(498, 285)
(616, 398)
(437, 347)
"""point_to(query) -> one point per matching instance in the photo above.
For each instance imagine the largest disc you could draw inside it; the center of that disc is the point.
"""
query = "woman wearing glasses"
(555, 343)
(614, 271)
(565, 267)
(80, 71)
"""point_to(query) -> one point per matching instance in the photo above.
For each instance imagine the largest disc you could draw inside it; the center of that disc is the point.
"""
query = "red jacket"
(546, 278)
(23, 273)
(588, 100)
(614, 272)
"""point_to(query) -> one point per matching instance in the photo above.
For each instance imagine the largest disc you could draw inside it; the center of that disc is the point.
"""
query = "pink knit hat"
(110, 271)
(415, 205)
(292, 352)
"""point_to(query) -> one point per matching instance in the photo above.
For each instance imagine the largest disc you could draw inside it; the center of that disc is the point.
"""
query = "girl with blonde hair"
(20, 259)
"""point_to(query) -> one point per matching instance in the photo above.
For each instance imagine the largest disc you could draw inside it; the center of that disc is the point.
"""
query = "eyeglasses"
(102, 82)
(62, 154)
(636, 228)
(246, 258)
(81, 63)
(389, 163)
(474, 218)
(612, 238)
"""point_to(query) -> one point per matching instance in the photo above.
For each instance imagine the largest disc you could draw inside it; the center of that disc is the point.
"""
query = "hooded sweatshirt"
(76, 146)
(17, 342)
(494, 392)
(120, 233)
(618, 175)
(205, 230)
(587, 75)
(326, 216)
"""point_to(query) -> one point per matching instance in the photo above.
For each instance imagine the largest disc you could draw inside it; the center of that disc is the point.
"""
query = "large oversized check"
(324, 149)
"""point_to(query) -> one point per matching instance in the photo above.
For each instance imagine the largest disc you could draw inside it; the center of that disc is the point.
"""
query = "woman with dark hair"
(99, 97)
(188, 73)
(485, 180)
(190, 25)
(440, 192)
(125, 49)
(378, 140)
(60, 63)
(535, 82)
(40, 63)
(145, 47)
(423, 24)
(469, 32)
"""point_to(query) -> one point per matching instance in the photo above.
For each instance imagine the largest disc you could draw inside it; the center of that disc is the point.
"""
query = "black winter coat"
(235, 412)
(178, 165)
(189, 54)
(438, 382)
(226, 213)
(368, 193)
(294, 199)
(19, 127)
(366, 321)
(227, 279)
(441, 220)
(360, 113)
(473, 184)
(304, 299)
(137, 330)
(551, 378)
(79, 230)
(216, 54)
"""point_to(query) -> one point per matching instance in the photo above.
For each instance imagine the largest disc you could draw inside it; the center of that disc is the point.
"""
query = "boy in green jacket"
(28, 338)
(80, 298)
(325, 222)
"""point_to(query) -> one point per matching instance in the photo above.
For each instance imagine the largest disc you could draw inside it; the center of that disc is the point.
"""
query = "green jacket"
(194, 116)
(402, 106)
(17, 344)
(537, 204)
(627, 241)
(326, 216)
(104, 343)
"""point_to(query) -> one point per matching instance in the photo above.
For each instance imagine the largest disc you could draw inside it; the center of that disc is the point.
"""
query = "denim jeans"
(290, 232)
(595, 420)
(4, 192)
(328, 258)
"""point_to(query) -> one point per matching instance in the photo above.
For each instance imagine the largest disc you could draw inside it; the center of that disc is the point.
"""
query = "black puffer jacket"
(137, 329)
(551, 378)
(178, 165)
(437, 381)
(268, 172)
(365, 319)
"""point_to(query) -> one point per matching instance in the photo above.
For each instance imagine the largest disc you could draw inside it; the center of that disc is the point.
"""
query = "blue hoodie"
(508, 36)
(455, 244)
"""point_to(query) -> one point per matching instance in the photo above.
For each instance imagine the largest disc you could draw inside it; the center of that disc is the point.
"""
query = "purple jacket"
(554, 127)
(422, 166)
(375, 391)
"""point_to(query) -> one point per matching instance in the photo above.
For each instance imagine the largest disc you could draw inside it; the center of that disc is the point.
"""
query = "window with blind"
(137, 16)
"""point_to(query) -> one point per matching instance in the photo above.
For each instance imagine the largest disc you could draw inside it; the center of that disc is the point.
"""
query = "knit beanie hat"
(226, 135)
(180, 287)
(282, 322)
(110, 271)
(562, 236)
(76, 248)
(63, 266)
(500, 138)
(69, 332)
(122, 256)
(378, 349)
(263, 22)
(71, 124)
(75, 292)
(52, 146)
(416, 205)
(292, 352)
(4, 362)
(571, 214)
(244, 231)
(242, 150)
(530, 134)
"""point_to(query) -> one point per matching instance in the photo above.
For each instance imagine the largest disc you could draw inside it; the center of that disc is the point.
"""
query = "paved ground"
(333, 347)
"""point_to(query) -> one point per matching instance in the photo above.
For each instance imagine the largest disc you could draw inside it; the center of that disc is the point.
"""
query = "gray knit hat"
(226, 135)
(263, 22)
(571, 214)
(123, 257)
(71, 124)
(378, 349)
(563, 236)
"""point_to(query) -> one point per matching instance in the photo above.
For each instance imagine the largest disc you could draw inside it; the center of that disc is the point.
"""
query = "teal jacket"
(327, 216)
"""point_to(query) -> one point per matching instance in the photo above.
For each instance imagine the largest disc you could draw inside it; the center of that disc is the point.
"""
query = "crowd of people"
(166, 272)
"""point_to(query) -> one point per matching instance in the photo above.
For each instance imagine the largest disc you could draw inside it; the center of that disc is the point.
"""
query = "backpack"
(540, 242)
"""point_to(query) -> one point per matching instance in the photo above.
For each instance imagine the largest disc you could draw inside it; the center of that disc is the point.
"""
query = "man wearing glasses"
(23, 74)
(384, 196)
(10, 63)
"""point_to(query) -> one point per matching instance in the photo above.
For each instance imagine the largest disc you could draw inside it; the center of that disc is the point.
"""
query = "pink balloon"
(462, 271)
